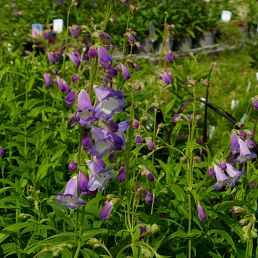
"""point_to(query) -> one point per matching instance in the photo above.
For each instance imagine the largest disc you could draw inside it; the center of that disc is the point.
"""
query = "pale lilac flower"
(234, 145)
(99, 176)
(150, 144)
(201, 212)
(83, 183)
(85, 110)
(72, 166)
(106, 210)
(233, 173)
(125, 72)
(105, 59)
(70, 196)
(47, 79)
(122, 174)
(222, 179)
(244, 152)
(70, 98)
(110, 102)
(75, 57)
(250, 144)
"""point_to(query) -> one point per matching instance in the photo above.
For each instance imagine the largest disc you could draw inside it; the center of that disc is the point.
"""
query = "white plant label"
(256, 76)
(58, 25)
(226, 16)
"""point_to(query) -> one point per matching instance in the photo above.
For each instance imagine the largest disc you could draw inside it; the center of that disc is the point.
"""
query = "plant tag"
(58, 25)
(226, 16)
(234, 103)
(37, 31)
(256, 76)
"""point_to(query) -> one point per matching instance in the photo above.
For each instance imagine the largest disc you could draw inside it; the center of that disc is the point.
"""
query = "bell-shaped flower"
(83, 183)
(47, 79)
(122, 174)
(244, 152)
(63, 85)
(222, 179)
(51, 57)
(110, 102)
(234, 145)
(70, 196)
(85, 110)
(201, 213)
(99, 176)
(75, 57)
(102, 142)
(105, 59)
(106, 210)
(148, 197)
(125, 72)
(233, 173)
(86, 141)
(70, 98)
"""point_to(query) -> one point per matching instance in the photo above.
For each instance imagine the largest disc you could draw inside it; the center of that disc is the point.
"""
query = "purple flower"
(255, 102)
(221, 178)
(125, 72)
(106, 210)
(250, 144)
(86, 141)
(130, 38)
(212, 172)
(166, 78)
(234, 174)
(72, 166)
(1, 152)
(99, 176)
(150, 144)
(92, 52)
(242, 134)
(147, 172)
(70, 98)
(75, 30)
(110, 102)
(75, 57)
(122, 174)
(70, 196)
(245, 153)
(85, 110)
(75, 78)
(170, 57)
(51, 57)
(135, 124)
(148, 197)
(105, 59)
(47, 79)
(138, 139)
(176, 118)
(63, 85)
(83, 183)
(234, 145)
(201, 212)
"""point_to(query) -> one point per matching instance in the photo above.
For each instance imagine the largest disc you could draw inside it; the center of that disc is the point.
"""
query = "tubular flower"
(166, 78)
(83, 183)
(201, 212)
(105, 59)
(47, 79)
(233, 173)
(244, 152)
(234, 145)
(106, 210)
(125, 72)
(70, 98)
(75, 57)
(110, 102)
(122, 174)
(221, 178)
(99, 176)
(70, 196)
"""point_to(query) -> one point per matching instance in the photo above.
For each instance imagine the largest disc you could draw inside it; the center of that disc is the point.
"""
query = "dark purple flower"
(122, 174)
(166, 78)
(138, 139)
(242, 134)
(170, 57)
(112, 157)
(201, 212)
(1, 152)
(222, 165)
(70, 196)
(255, 102)
(70, 98)
(234, 145)
(212, 172)
(72, 166)
(51, 57)
(143, 231)
(86, 141)
(148, 197)
(147, 172)
(125, 72)
(106, 210)
(135, 124)
(150, 144)
(99, 176)
(75, 30)
(130, 38)
(75, 57)
(92, 52)
(110, 102)
(75, 78)
(105, 59)
(83, 183)
(47, 79)
(85, 110)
